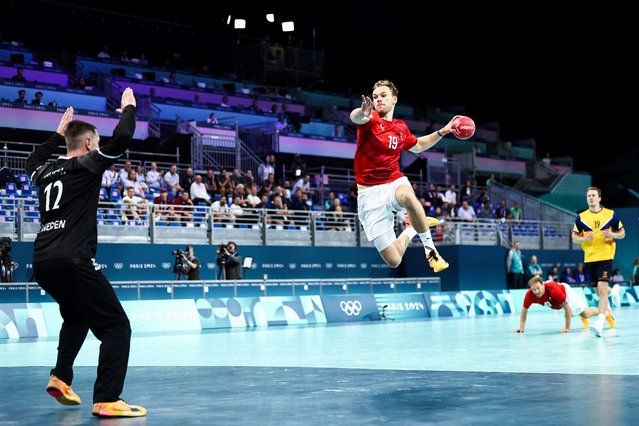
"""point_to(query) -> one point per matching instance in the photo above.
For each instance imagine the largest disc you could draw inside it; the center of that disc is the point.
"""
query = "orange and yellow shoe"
(610, 318)
(436, 261)
(117, 409)
(431, 221)
(585, 322)
(62, 392)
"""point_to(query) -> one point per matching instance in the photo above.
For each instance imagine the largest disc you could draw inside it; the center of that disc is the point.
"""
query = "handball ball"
(463, 127)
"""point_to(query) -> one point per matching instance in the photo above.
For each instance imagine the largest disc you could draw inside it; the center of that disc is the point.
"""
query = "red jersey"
(379, 145)
(554, 296)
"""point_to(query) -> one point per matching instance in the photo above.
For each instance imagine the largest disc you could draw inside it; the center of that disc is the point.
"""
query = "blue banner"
(350, 307)
(260, 311)
(402, 305)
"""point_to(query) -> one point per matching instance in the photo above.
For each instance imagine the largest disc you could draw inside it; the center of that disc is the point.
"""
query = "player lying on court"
(559, 296)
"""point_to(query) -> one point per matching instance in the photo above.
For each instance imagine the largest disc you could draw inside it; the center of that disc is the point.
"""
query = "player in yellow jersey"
(597, 229)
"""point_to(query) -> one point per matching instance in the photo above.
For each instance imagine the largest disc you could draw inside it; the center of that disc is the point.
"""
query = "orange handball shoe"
(62, 392)
(117, 409)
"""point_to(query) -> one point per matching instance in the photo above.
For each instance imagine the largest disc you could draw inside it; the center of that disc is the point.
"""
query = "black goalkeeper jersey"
(69, 192)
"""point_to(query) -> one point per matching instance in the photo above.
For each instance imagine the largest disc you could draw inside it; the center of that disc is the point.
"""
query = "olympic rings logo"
(351, 308)
(118, 265)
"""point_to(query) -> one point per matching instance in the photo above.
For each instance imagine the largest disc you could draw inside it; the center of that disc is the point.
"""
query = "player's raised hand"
(367, 106)
(127, 99)
(67, 117)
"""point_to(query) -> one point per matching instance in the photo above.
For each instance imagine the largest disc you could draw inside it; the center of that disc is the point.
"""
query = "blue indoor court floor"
(466, 371)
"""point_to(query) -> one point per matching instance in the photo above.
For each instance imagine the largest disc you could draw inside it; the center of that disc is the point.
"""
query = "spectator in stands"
(154, 177)
(212, 119)
(19, 75)
(38, 98)
(567, 276)
(255, 107)
(515, 267)
(433, 198)
(297, 168)
(22, 97)
(235, 210)
(337, 222)
(249, 180)
(466, 212)
(104, 53)
(236, 178)
(466, 193)
(282, 215)
(450, 196)
(172, 178)
(245, 89)
(164, 210)
(225, 102)
(198, 192)
(547, 160)
(485, 211)
(281, 124)
(553, 275)
(268, 186)
(300, 202)
(189, 177)
(635, 272)
(209, 183)
(80, 83)
(132, 181)
(616, 276)
(252, 198)
(490, 180)
(230, 262)
(516, 213)
(132, 205)
(143, 60)
(338, 131)
(220, 210)
(557, 296)
(266, 168)
(124, 173)
(124, 57)
(241, 194)
(534, 269)
(173, 78)
(224, 182)
(305, 184)
(581, 277)
(274, 109)
(502, 212)
(183, 206)
(328, 202)
(110, 178)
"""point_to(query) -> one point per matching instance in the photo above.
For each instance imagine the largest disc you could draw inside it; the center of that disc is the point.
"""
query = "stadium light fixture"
(239, 24)
(288, 26)
(270, 17)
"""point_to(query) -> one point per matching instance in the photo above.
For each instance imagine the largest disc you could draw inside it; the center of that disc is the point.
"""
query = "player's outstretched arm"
(427, 141)
(568, 313)
(362, 115)
(522, 320)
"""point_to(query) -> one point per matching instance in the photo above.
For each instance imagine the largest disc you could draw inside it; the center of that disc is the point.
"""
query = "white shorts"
(376, 207)
(576, 303)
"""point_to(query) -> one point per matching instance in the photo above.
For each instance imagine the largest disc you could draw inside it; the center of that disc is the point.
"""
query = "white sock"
(427, 240)
(410, 231)
(600, 320)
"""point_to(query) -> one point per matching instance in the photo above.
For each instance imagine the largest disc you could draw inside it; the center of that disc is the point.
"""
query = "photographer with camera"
(186, 264)
(229, 261)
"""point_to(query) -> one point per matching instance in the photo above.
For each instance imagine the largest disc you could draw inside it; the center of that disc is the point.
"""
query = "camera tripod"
(383, 314)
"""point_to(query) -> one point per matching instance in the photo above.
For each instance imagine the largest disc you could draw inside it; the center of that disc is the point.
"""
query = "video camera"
(181, 265)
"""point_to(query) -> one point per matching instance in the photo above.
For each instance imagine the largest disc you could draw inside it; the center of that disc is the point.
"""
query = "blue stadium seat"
(11, 189)
(115, 195)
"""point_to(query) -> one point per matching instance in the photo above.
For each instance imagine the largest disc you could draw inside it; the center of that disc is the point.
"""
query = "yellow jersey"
(599, 248)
